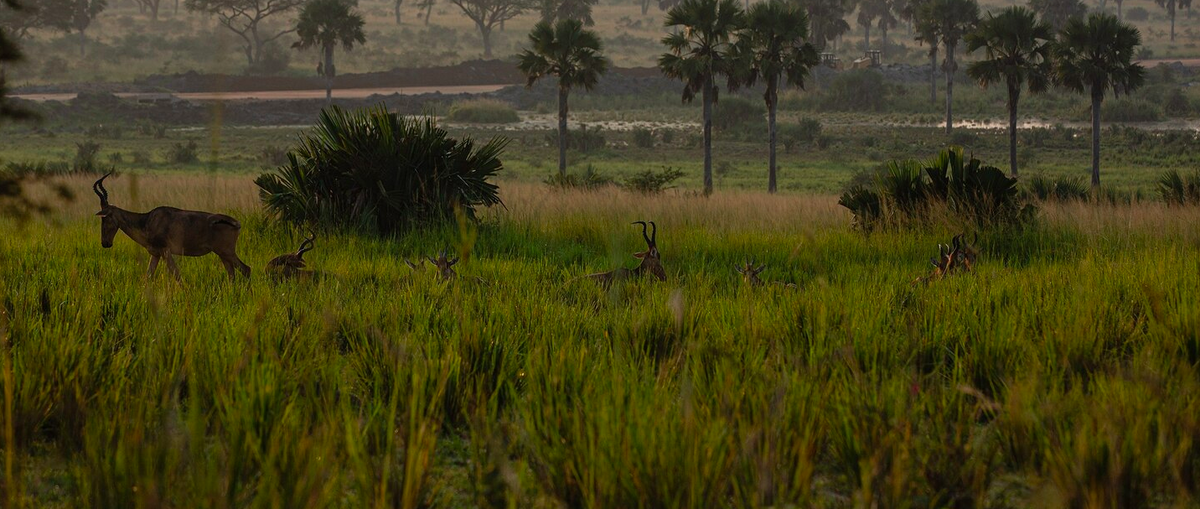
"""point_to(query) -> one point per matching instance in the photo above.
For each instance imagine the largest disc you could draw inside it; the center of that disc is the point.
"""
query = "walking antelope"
(651, 264)
(958, 256)
(167, 231)
(750, 275)
(292, 264)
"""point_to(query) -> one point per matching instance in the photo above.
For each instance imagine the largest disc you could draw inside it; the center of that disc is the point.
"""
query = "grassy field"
(1063, 372)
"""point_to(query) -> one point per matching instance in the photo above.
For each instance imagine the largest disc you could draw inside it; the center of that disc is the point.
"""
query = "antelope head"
(750, 273)
(650, 259)
(416, 267)
(108, 224)
(965, 252)
(291, 264)
(444, 265)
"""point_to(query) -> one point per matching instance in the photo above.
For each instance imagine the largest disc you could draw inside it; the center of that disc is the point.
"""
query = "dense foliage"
(1180, 189)
(376, 170)
(948, 187)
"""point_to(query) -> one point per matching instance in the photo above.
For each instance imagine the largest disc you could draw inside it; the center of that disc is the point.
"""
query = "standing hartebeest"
(651, 264)
(958, 256)
(167, 231)
(292, 264)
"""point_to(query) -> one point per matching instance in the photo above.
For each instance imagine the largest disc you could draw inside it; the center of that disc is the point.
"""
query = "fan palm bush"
(1178, 189)
(378, 171)
(911, 192)
(1065, 189)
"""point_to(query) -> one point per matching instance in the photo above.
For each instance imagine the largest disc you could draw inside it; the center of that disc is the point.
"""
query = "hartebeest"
(444, 266)
(292, 265)
(958, 256)
(651, 263)
(167, 231)
(750, 275)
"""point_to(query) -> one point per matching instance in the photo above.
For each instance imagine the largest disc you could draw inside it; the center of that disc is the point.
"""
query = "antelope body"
(750, 275)
(651, 263)
(168, 231)
(291, 265)
(958, 256)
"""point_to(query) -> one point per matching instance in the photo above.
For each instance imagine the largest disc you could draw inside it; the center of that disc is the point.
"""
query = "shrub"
(85, 157)
(732, 112)
(591, 179)
(584, 139)
(37, 169)
(483, 111)
(804, 132)
(1126, 109)
(652, 182)
(274, 60)
(1177, 104)
(910, 192)
(1177, 189)
(183, 153)
(273, 155)
(856, 90)
(140, 157)
(1060, 190)
(374, 169)
(643, 138)
(963, 137)
(1137, 14)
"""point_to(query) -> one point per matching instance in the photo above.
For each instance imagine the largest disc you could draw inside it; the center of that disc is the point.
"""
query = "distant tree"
(427, 6)
(1058, 12)
(1119, 2)
(870, 11)
(488, 14)
(698, 52)
(1171, 6)
(887, 21)
(645, 5)
(396, 9)
(1095, 56)
(949, 21)
(9, 54)
(827, 20)
(553, 10)
(570, 53)
(326, 24)
(1016, 52)
(149, 6)
(773, 47)
(73, 16)
(247, 18)
(19, 22)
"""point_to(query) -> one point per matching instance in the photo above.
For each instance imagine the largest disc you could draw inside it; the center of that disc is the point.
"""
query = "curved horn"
(643, 223)
(975, 240)
(100, 191)
(307, 245)
(653, 233)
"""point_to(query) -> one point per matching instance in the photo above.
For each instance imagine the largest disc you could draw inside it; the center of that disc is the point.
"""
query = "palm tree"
(698, 53)
(773, 45)
(1017, 48)
(570, 52)
(327, 23)
(927, 30)
(1096, 56)
(1171, 6)
(950, 20)
(1058, 12)
(826, 20)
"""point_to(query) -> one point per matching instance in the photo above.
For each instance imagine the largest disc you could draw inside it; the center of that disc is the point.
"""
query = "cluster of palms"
(711, 39)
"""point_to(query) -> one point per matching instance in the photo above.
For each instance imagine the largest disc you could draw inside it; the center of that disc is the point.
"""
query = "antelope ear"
(452, 262)
(933, 261)
(738, 269)
(640, 255)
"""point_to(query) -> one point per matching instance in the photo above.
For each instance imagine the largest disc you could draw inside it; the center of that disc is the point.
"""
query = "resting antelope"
(291, 265)
(167, 231)
(445, 268)
(959, 256)
(750, 275)
(651, 263)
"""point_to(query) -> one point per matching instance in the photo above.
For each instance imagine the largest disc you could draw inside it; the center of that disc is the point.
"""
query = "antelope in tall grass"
(444, 265)
(750, 275)
(651, 263)
(958, 256)
(292, 264)
(168, 231)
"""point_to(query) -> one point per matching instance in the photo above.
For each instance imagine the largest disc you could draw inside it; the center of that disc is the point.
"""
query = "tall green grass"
(1063, 370)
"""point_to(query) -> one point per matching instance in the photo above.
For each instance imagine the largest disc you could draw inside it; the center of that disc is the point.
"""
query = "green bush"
(1125, 109)
(86, 154)
(483, 111)
(583, 139)
(856, 90)
(643, 138)
(1065, 189)
(591, 179)
(733, 112)
(804, 132)
(1177, 189)
(1137, 14)
(1176, 104)
(652, 182)
(183, 153)
(376, 170)
(947, 187)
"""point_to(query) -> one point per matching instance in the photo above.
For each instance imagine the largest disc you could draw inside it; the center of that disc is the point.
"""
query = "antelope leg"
(228, 268)
(153, 266)
(171, 265)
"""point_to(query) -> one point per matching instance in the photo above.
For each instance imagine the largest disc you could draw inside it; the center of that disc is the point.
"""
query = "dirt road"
(1187, 62)
(280, 95)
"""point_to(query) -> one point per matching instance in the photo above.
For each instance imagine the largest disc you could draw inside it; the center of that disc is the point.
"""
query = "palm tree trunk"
(883, 40)
(707, 99)
(866, 37)
(428, 11)
(1171, 11)
(562, 131)
(396, 9)
(949, 88)
(82, 43)
(329, 73)
(486, 33)
(773, 100)
(1096, 98)
(1013, 95)
(933, 73)
(1119, 17)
